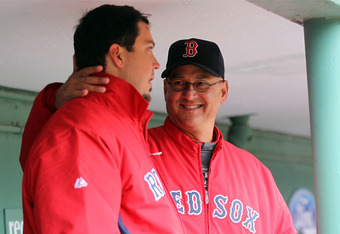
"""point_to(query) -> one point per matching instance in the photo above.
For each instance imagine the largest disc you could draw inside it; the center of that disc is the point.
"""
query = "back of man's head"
(100, 28)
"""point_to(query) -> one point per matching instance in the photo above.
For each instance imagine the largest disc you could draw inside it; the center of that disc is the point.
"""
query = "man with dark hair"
(103, 35)
(89, 169)
(217, 187)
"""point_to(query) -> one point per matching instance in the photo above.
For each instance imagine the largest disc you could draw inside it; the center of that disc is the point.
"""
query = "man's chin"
(147, 97)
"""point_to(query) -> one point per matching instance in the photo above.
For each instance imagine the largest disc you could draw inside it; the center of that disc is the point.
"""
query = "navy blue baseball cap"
(202, 53)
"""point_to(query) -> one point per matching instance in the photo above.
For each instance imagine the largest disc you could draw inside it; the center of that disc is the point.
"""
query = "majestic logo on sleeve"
(80, 183)
(237, 213)
(155, 184)
(191, 49)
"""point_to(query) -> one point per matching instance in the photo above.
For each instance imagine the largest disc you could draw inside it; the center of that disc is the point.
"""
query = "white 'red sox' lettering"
(236, 210)
(155, 184)
(177, 196)
(194, 202)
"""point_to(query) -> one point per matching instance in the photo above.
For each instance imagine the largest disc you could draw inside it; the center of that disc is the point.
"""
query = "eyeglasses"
(199, 85)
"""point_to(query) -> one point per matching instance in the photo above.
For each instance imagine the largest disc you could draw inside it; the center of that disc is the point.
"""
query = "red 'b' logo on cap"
(191, 49)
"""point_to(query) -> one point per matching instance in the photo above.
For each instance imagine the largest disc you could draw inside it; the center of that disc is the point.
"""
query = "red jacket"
(242, 194)
(233, 182)
(90, 164)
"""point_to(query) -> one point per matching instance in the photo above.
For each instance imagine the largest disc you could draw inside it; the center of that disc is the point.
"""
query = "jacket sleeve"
(284, 222)
(74, 186)
(42, 109)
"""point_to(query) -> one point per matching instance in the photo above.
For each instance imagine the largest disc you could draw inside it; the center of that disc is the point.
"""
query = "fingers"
(83, 73)
(80, 83)
(91, 85)
(87, 71)
(76, 93)
(83, 79)
(94, 80)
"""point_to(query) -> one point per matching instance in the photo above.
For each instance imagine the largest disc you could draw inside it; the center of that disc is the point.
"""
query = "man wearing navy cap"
(237, 193)
(217, 187)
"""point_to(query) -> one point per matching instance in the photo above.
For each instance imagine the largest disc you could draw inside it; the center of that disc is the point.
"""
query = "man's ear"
(116, 54)
(224, 90)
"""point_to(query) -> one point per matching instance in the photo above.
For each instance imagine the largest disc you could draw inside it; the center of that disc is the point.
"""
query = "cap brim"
(167, 71)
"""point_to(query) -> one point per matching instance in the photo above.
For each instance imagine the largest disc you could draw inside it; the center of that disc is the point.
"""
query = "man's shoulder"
(243, 157)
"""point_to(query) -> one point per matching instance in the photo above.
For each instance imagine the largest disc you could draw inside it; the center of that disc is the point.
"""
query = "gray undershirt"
(206, 154)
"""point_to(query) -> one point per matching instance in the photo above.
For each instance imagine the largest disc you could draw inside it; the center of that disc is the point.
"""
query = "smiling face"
(141, 62)
(191, 111)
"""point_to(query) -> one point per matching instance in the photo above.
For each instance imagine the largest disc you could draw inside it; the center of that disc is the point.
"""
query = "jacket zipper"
(208, 199)
(208, 187)
(205, 207)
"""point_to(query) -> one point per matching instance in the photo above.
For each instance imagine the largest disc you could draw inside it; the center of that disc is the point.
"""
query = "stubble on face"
(147, 96)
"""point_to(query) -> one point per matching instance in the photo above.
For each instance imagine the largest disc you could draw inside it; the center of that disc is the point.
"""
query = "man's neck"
(205, 135)
(200, 133)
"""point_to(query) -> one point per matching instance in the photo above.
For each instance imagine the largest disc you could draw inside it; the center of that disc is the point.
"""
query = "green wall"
(15, 106)
(288, 157)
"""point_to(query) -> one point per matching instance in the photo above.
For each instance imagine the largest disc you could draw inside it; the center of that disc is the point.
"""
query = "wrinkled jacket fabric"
(242, 194)
(90, 166)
